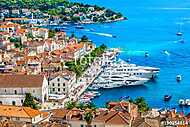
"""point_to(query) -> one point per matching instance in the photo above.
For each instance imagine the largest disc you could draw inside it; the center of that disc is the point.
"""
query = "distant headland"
(58, 12)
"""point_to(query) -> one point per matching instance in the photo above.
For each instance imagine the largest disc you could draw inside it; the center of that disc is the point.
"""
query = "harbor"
(84, 63)
(151, 44)
(151, 27)
(115, 73)
(90, 75)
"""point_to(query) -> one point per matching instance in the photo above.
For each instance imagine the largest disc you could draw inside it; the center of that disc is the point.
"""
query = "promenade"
(91, 74)
(86, 79)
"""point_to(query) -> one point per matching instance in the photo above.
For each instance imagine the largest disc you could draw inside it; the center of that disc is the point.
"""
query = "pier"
(91, 74)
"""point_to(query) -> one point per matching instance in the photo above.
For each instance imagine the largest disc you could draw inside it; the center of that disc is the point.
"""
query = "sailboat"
(179, 33)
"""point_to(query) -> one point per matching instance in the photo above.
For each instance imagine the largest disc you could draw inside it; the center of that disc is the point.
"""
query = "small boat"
(85, 100)
(98, 94)
(178, 78)
(146, 54)
(167, 97)
(89, 94)
(179, 33)
(166, 52)
(93, 88)
(128, 60)
(187, 102)
(107, 87)
(181, 102)
(114, 36)
(125, 97)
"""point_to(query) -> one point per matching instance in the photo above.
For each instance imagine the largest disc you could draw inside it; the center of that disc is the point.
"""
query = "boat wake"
(86, 30)
(135, 52)
(170, 8)
(102, 34)
(179, 55)
(179, 23)
(175, 54)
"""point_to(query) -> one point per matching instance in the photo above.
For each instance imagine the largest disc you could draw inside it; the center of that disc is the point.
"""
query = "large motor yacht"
(118, 80)
(124, 68)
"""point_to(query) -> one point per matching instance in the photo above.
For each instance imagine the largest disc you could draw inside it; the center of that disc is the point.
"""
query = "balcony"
(12, 95)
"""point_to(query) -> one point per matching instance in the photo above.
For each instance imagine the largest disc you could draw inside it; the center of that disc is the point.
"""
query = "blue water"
(151, 27)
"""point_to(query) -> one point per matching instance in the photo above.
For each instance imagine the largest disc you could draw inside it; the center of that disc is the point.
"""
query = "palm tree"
(88, 116)
(142, 104)
(70, 105)
(80, 106)
(91, 106)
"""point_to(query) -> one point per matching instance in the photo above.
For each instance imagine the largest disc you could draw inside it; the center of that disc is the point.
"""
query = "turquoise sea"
(152, 27)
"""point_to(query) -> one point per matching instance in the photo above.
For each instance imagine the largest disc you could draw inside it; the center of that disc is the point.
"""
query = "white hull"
(137, 83)
(124, 74)
(123, 68)
(126, 83)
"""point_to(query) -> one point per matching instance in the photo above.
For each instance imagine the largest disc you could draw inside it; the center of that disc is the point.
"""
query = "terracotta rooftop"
(120, 119)
(123, 105)
(113, 117)
(59, 113)
(64, 73)
(18, 111)
(9, 25)
(12, 124)
(8, 19)
(144, 124)
(34, 43)
(54, 124)
(73, 47)
(11, 81)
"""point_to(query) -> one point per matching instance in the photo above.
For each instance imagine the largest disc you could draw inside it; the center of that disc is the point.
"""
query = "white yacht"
(124, 68)
(121, 73)
(114, 81)
(133, 81)
(111, 84)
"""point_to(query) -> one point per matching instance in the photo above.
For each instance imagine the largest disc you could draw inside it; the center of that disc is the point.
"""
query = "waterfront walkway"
(86, 79)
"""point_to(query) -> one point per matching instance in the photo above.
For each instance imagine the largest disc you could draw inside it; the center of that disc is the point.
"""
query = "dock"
(90, 75)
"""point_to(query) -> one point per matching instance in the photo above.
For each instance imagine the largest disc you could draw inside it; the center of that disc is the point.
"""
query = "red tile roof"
(9, 19)
(11, 81)
(18, 111)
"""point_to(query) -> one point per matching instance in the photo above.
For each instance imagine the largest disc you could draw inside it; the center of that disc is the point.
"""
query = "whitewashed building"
(40, 32)
(14, 87)
(61, 83)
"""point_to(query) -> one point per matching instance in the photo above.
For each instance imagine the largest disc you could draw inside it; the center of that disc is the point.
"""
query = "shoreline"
(108, 21)
(83, 23)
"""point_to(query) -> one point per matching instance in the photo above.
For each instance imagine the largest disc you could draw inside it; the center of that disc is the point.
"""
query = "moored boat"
(123, 68)
(179, 33)
(85, 100)
(114, 36)
(178, 78)
(146, 54)
(181, 102)
(94, 87)
(187, 102)
(167, 97)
